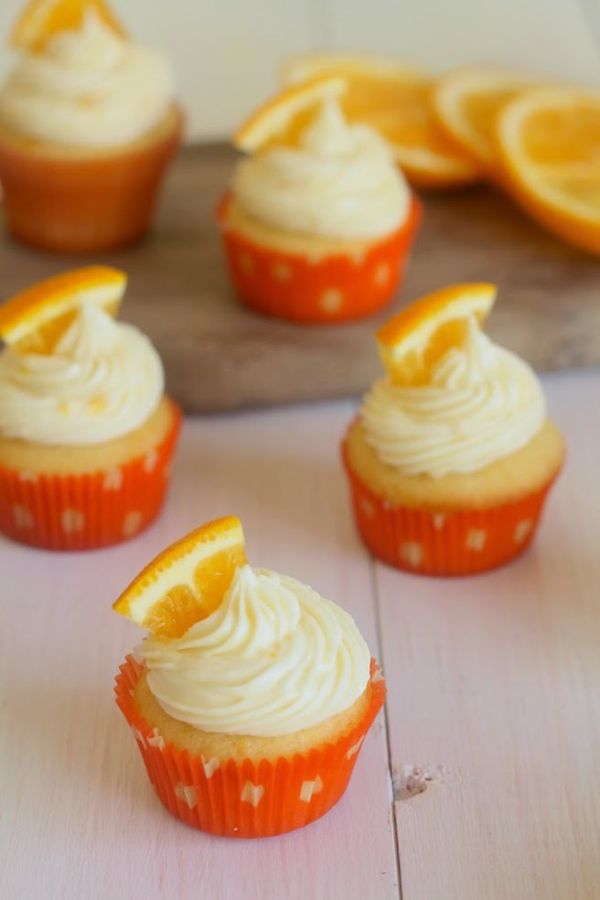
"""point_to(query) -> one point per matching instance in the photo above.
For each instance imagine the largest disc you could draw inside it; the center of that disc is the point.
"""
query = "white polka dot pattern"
(353, 750)
(252, 793)
(412, 553)
(210, 766)
(331, 300)
(281, 271)
(522, 530)
(22, 516)
(382, 274)
(113, 479)
(132, 522)
(187, 793)
(476, 539)
(310, 788)
(72, 521)
(150, 460)
(156, 740)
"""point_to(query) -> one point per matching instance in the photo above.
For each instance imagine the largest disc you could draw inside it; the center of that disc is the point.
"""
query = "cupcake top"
(239, 650)
(477, 403)
(273, 658)
(88, 87)
(100, 379)
(339, 181)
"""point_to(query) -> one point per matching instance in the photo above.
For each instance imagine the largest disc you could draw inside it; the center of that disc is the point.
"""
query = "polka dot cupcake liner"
(444, 542)
(248, 799)
(331, 289)
(84, 512)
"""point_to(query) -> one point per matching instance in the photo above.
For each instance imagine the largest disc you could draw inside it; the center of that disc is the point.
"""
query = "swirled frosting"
(273, 658)
(481, 404)
(104, 379)
(88, 88)
(340, 182)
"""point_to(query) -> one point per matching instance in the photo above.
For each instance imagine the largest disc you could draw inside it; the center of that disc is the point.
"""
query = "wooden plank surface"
(496, 699)
(494, 695)
(220, 356)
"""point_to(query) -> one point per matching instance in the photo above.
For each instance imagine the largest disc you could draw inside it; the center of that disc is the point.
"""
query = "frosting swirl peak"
(481, 404)
(340, 182)
(104, 379)
(273, 658)
(88, 88)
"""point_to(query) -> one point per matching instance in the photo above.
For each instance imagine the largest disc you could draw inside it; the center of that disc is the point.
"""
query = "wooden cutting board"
(220, 356)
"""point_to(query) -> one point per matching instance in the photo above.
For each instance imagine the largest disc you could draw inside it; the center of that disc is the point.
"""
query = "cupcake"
(452, 454)
(251, 696)
(86, 431)
(318, 221)
(88, 126)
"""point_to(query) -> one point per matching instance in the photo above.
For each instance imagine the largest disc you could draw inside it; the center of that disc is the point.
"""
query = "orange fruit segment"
(32, 321)
(549, 150)
(411, 343)
(282, 118)
(396, 101)
(466, 103)
(187, 581)
(41, 20)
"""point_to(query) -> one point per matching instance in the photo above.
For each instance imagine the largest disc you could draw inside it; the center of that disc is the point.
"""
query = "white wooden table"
(494, 696)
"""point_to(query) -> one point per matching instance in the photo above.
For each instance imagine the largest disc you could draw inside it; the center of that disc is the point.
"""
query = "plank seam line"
(388, 742)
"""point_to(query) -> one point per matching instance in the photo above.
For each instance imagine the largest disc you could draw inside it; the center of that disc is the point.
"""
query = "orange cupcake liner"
(247, 799)
(84, 512)
(446, 542)
(336, 288)
(84, 206)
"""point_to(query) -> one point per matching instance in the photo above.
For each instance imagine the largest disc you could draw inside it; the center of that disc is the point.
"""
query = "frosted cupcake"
(86, 431)
(319, 220)
(252, 695)
(452, 455)
(88, 126)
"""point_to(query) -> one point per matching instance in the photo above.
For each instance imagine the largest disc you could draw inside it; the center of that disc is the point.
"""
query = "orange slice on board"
(32, 321)
(549, 152)
(411, 342)
(282, 118)
(187, 581)
(41, 20)
(466, 103)
(396, 101)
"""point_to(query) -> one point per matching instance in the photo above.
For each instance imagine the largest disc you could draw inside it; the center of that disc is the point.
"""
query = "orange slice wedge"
(41, 20)
(282, 118)
(549, 151)
(411, 342)
(187, 581)
(32, 321)
(396, 101)
(466, 103)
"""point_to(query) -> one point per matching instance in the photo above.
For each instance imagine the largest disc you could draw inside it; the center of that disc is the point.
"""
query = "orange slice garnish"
(282, 118)
(412, 342)
(187, 581)
(549, 151)
(396, 101)
(32, 321)
(41, 20)
(466, 103)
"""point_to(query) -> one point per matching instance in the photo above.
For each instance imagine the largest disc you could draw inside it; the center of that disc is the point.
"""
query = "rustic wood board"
(220, 356)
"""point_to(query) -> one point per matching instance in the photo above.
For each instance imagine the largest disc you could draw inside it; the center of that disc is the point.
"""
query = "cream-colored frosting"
(272, 659)
(104, 379)
(340, 182)
(481, 404)
(88, 88)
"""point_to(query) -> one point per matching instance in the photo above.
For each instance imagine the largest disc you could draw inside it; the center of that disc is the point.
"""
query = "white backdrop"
(226, 54)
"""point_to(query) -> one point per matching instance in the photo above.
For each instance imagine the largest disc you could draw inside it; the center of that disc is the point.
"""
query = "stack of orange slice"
(541, 145)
